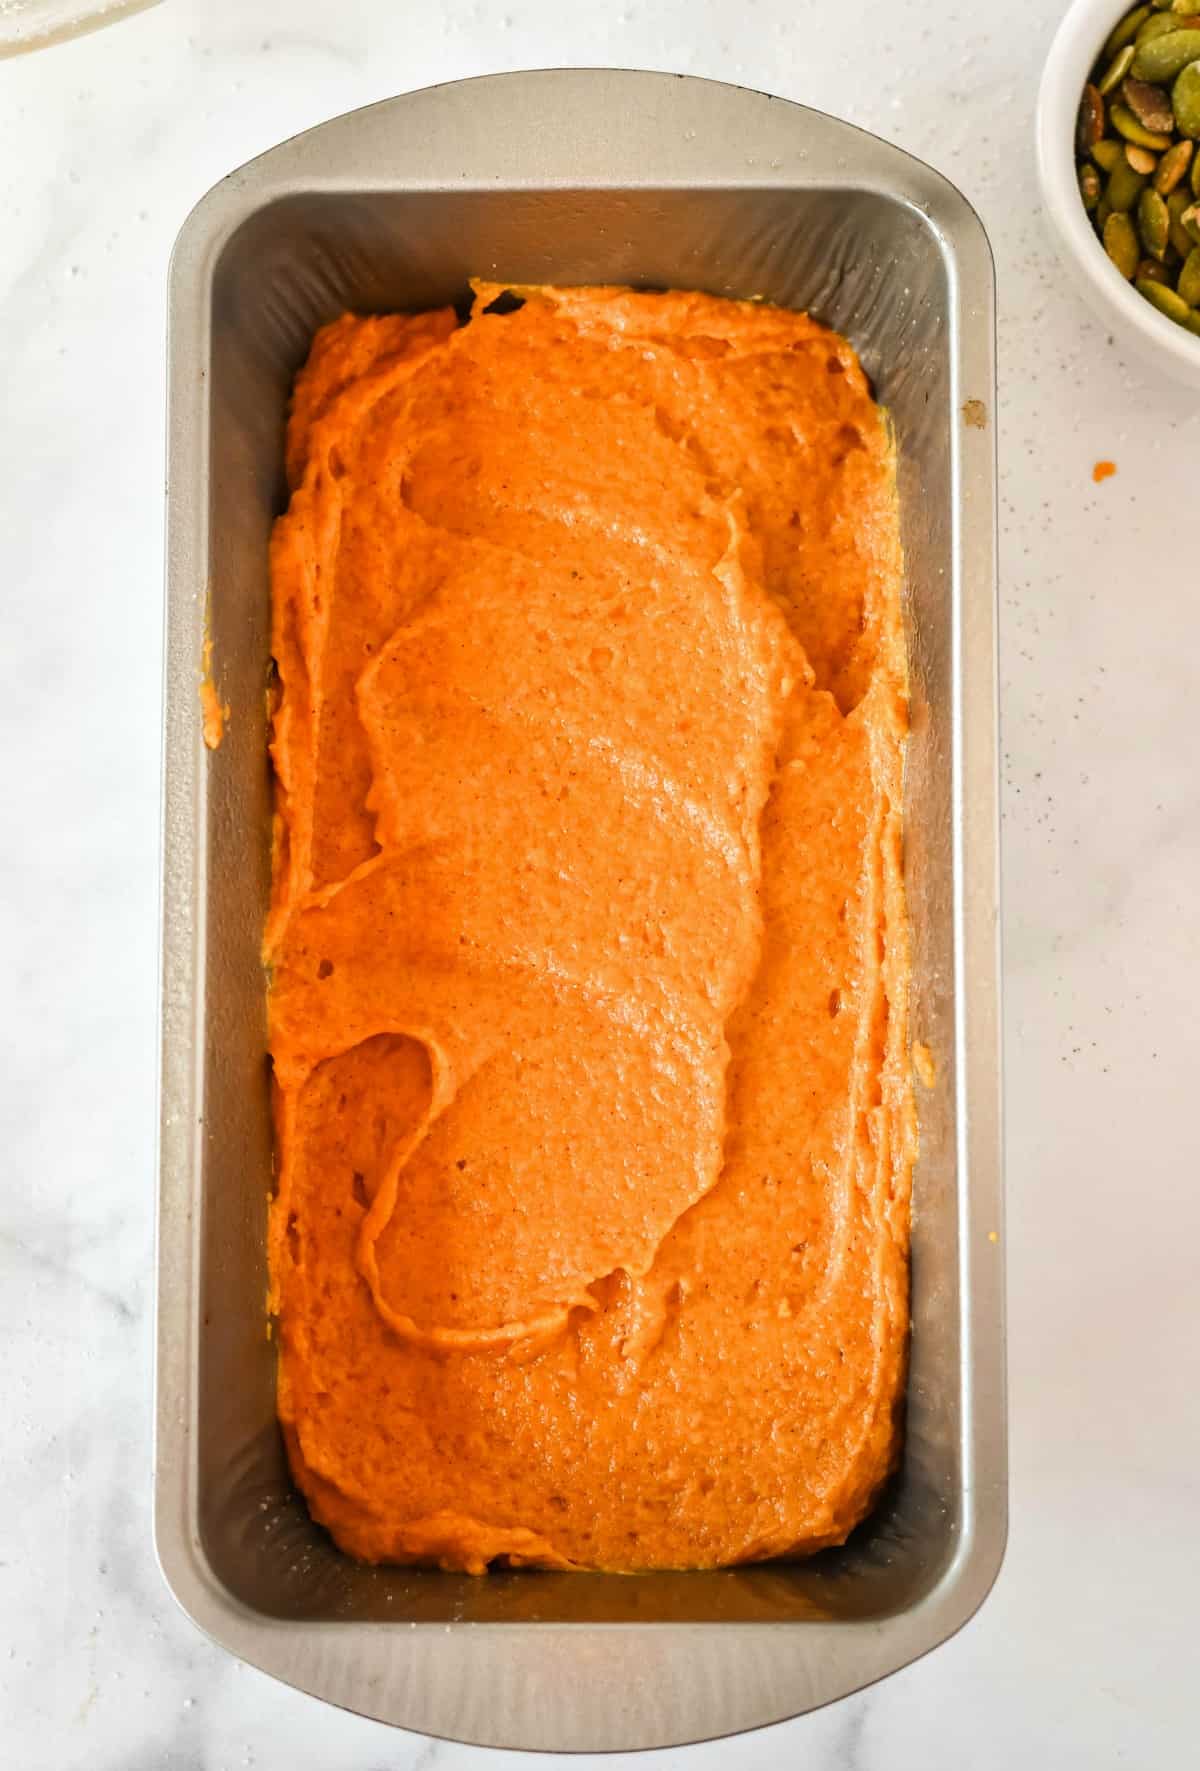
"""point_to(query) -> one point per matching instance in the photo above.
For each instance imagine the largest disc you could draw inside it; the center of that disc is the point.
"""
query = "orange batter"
(587, 939)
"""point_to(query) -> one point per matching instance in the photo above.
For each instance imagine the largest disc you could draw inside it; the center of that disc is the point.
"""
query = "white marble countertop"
(1084, 1654)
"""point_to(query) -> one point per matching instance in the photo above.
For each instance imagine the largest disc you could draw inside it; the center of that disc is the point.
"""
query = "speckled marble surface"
(1084, 1654)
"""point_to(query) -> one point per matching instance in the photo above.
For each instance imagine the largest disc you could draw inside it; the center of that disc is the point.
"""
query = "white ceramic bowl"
(1157, 340)
(36, 24)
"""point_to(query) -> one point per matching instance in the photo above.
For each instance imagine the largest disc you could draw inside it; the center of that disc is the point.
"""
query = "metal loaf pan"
(569, 177)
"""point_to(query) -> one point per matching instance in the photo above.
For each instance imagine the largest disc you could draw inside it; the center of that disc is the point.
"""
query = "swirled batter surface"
(587, 938)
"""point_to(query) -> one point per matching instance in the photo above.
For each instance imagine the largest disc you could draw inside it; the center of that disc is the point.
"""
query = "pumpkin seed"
(1195, 174)
(1106, 153)
(1164, 299)
(1188, 283)
(1091, 119)
(1124, 186)
(1189, 221)
(1185, 100)
(1193, 321)
(1121, 244)
(1171, 167)
(1153, 223)
(1161, 58)
(1089, 186)
(1126, 29)
(1118, 67)
(1141, 159)
(1157, 25)
(1162, 5)
(1179, 237)
(1150, 105)
(1126, 124)
(1150, 271)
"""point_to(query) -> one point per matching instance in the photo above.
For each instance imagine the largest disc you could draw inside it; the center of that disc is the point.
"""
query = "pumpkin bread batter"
(587, 940)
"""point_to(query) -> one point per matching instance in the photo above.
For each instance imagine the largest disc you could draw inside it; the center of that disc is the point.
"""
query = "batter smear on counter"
(587, 943)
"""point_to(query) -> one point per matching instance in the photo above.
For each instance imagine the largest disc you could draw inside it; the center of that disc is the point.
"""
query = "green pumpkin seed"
(1172, 167)
(1154, 223)
(1193, 321)
(1157, 25)
(1188, 283)
(1150, 271)
(1189, 221)
(1182, 5)
(1179, 237)
(1126, 124)
(1163, 57)
(1117, 69)
(1164, 299)
(1124, 187)
(1121, 244)
(1149, 104)
(1185, 100)
(1126, 29)
(1106, 153)
(1141, 159)
(1195, 175)
(1089, 186)
(1162, 5)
